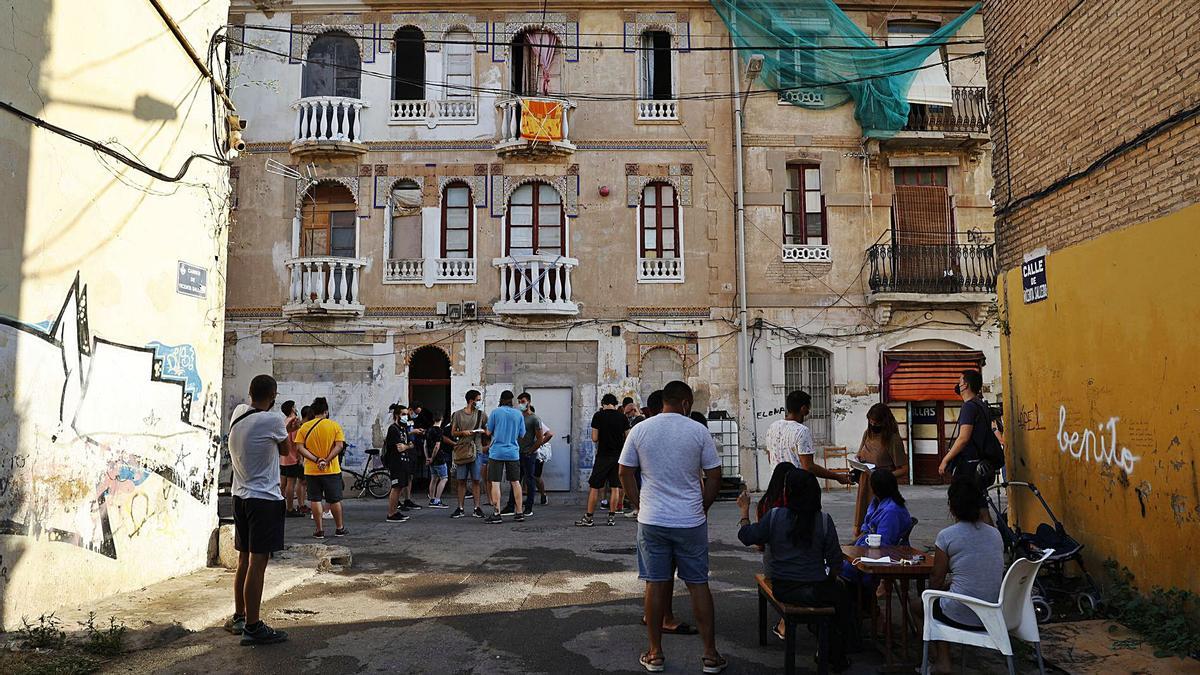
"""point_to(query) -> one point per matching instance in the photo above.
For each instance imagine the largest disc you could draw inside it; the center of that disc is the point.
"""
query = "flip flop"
(717, 665)
(656, 664)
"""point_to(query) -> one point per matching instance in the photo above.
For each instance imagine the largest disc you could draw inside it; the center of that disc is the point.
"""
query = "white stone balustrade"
(454, 270)
(658, 110)
(324, 285)
(409, 270)
(660, 270)
(535, 284)
(433, 112)
(329, 119)
(806, 253)
(510, 140)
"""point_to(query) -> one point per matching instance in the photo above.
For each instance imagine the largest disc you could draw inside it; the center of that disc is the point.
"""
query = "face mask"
(874, 428)
(523, 406)
(404, 418)
(958, 389)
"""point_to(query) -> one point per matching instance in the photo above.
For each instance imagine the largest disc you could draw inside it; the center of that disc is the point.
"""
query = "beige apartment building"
(473, 195)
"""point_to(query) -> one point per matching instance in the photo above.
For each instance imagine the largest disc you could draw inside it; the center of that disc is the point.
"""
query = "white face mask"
(523, 406)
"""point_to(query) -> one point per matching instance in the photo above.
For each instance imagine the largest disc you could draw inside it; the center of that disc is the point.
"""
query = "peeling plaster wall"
(109, 378)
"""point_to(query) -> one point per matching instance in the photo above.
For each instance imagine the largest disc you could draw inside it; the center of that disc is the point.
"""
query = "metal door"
(553, 405)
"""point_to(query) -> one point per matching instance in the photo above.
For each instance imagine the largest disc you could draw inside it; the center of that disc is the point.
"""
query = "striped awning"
(924, 375)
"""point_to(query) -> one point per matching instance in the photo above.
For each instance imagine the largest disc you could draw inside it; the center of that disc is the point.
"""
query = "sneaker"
(508, 510)
(412, 505)
(319, 534)
(438, 505)
(341, 532)
(458, 513)
(519, 518)
(604, 503)
(327, 515)
(236, 624)
(585, 521)
(478, 512)
(612, 518)
(527, 512)
(631, 513)
(402, 508)
(494, 519)
(397, 517)
(544, 502)
(470, 496)
(262, 634)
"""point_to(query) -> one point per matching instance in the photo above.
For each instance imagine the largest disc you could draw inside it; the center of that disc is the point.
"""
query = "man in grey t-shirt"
(672, 451)
(257, 439)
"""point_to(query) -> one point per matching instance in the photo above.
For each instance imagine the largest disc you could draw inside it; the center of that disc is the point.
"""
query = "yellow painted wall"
(1113, 350)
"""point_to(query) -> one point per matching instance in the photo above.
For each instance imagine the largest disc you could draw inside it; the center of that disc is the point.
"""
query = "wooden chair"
(841, 455)
(794, 615)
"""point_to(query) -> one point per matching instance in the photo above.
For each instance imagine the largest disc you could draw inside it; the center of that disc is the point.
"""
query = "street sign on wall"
(191, 280)
(1033, 277)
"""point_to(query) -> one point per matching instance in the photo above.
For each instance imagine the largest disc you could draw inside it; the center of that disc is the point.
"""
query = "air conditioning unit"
(469, 311)
(454, 312)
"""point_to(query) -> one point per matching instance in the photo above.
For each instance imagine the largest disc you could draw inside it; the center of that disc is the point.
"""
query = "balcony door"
(923, 252)
(328, 227)
(333, 67)
(535, 222)
(533, 62)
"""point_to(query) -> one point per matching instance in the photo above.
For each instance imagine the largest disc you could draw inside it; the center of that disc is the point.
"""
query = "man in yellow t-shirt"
(320, 442)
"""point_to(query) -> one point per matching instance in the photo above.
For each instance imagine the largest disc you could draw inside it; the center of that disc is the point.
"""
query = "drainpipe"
(744, 377)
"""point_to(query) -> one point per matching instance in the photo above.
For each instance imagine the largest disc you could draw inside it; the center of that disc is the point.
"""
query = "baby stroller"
(1052, 583)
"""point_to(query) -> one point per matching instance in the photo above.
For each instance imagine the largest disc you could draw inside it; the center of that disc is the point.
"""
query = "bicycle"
(376, 482)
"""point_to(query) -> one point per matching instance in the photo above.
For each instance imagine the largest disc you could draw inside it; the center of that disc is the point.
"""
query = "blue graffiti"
(179, 363)
(135, 476)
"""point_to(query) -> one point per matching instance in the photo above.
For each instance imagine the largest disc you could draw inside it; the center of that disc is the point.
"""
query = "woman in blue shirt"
(887, 517)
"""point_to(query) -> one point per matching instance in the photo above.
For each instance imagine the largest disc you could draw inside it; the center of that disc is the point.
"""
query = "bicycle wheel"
(379, 483)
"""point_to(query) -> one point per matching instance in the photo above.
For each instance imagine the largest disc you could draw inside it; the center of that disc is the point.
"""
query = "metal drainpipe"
(744, 375)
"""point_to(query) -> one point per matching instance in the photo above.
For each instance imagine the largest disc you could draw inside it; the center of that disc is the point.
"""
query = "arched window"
(460, 65)
(532, 60)
(807, 369)
(458, 238)
(655, 74)
(408, 65)
(333, 67)
(328, 222)
(659, 219)
(535, 221)
(405, 228)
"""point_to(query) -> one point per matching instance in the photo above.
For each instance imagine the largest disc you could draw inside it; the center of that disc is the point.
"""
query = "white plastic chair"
(1013, 614)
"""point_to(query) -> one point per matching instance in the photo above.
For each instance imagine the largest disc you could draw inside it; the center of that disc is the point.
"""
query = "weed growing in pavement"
(70, 663)
(1167, 619)
(104, 641)
(44, 633)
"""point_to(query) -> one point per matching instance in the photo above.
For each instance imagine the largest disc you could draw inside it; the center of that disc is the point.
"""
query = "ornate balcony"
(962, 124)
(324, 285)
(431, 113)
(536, 134)
(660, 270)
(329, 126)
(958, 272)
(658, 111)
(429, 272)
(404, 271)
(535, 284)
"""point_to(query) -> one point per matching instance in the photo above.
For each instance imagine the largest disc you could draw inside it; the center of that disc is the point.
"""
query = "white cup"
(874, 540)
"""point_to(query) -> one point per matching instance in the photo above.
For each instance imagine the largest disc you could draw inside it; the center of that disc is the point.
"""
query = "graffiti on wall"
(97, 438)
(1099, 446)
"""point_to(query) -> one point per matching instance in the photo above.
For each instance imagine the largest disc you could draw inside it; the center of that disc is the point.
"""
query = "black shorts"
(940, 615)
(605, 473)
(397, 466)
(325, 488)
(258, 525)
(537, 469)
(504, 469)
(291, 470)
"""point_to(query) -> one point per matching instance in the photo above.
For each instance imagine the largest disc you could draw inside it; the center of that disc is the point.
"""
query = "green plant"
(1165, 618)
(44, 633)
(69, 663)
(104, 641)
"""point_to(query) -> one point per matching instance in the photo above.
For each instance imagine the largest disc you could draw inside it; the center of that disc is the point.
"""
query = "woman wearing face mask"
(881, 445)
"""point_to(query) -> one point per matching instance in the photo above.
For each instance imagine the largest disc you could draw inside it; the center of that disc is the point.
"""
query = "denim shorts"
(438, 470)
(472, 471)
(662, 550)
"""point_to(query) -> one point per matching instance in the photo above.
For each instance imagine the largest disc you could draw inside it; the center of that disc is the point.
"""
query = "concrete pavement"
(436, 595)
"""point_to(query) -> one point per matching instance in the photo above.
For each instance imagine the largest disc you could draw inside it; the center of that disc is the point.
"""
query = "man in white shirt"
(257, 439)
(672, 451)
(789, 440)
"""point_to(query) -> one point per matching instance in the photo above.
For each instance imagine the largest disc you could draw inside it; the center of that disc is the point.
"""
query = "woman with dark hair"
(881, 447)
(774, 495)
(802, 555)
(888, 517)
(969, 561)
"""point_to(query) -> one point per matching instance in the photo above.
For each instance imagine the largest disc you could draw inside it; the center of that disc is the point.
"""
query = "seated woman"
(970, 561)
(802, 555)
(774, 495)
(886, 516)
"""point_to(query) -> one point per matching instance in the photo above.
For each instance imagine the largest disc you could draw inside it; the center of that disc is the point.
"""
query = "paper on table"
(861, 466)
(478, 431)
(885, 560)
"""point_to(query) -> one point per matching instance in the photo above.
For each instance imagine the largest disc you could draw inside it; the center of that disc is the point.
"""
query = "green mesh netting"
(786, 32)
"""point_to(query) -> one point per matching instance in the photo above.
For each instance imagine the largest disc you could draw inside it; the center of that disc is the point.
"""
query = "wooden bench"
(793, 615)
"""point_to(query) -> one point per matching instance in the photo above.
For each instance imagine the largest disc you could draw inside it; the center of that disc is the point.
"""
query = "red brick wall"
(1110, 70)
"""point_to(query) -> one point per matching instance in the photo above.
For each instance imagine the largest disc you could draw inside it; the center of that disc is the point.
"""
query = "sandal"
(653, 664)
(714, 665)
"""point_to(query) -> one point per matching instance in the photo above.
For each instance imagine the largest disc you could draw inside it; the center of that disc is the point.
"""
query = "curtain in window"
(544, 46)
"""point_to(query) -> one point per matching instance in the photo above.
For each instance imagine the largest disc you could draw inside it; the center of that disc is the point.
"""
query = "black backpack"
(992, 452)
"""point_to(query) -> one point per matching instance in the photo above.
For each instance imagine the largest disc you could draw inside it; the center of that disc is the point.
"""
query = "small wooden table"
(901, 574)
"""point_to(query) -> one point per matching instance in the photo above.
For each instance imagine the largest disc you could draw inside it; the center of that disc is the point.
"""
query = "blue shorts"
(472, 471)
(662, 550)
(438, 470)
